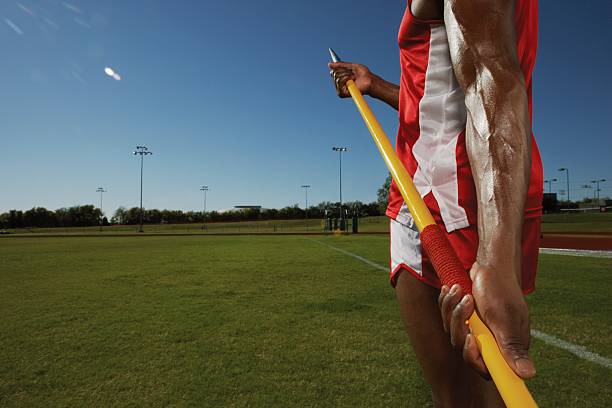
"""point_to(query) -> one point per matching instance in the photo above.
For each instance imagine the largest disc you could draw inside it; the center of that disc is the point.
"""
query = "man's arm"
(481, 37)
(367, 82)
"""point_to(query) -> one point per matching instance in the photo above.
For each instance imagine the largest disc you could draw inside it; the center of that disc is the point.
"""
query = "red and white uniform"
(431, 144)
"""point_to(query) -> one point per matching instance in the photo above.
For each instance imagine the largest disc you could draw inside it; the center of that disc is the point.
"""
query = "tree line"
(89, 215)
(77, 216)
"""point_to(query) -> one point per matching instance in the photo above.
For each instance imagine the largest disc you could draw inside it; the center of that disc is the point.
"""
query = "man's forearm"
(499, 147)
(498, 129)
(498, 141)
(385, 91)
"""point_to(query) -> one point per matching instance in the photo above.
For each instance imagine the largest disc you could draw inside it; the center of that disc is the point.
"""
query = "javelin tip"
(334, 56)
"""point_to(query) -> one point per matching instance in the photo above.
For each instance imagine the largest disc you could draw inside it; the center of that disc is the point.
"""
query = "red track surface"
(577, 241)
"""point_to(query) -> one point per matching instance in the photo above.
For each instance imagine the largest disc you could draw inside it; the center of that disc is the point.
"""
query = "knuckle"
(515, 346)
(457, 311)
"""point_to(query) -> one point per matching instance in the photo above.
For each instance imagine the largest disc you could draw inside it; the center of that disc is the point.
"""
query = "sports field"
(252, 321)
(591, 223)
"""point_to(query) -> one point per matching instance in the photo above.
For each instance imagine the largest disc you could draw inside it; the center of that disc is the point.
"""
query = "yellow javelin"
(511, 387)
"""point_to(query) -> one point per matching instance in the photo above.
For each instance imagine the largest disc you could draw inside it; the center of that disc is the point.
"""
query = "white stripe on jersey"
(442, 118)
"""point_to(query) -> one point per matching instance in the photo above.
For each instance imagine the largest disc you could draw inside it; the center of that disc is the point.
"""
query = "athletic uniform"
(431, 144)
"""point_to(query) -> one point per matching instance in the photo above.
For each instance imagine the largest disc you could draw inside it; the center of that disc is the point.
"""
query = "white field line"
(579, 351)
(352, 255)
(576, 252)
(575, 349)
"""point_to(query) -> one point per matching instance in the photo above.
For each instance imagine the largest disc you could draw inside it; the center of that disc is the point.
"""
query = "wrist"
(496, 281)
(502, 267)
(376, 86)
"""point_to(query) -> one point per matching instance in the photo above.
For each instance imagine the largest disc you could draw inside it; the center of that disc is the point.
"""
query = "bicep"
(481, 34)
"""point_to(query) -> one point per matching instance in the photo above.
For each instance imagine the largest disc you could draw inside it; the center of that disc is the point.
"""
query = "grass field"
(600, 223)
(597, 223)
(251, 321)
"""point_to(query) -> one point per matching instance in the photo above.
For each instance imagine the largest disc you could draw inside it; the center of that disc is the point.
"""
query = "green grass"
(250, 321)
(596, 223)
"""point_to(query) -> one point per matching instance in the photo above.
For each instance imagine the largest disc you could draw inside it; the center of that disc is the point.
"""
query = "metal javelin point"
(334, 56)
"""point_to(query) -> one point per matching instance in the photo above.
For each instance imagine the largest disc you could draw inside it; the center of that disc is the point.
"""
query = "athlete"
(464, 103)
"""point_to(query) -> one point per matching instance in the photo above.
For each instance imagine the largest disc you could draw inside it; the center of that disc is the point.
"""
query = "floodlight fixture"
(550, 181)
(597, 189)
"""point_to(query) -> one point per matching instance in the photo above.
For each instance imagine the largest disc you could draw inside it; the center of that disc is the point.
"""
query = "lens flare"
(111, 73)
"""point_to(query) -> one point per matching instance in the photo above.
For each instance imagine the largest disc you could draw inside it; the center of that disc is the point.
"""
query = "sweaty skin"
(481, 38)
(498, 140)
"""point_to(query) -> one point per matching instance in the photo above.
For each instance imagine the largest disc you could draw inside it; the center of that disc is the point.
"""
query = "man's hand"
(502, 308)
(366, 81)
(341, 72)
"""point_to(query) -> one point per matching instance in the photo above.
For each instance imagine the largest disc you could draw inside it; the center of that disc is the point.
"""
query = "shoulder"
(427, 9)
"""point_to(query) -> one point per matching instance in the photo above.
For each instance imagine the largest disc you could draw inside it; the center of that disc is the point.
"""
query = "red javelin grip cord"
(444, 259)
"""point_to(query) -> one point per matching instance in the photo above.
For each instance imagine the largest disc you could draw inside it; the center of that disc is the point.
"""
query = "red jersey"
(432, 117)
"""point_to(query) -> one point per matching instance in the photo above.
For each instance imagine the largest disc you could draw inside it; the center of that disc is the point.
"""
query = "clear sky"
(237, 95)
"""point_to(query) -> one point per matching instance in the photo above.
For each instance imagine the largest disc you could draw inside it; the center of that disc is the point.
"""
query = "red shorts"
(406, 252)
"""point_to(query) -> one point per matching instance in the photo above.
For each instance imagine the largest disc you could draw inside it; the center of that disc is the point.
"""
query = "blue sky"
(236, 95)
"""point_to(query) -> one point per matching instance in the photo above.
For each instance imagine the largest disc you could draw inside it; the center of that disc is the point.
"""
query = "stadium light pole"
(566, 170)
(101, 190)
(306, 187)
(340, 150)
(141, 151)
(204, 189)
(596, 182)
(586, 187)
(550, 181)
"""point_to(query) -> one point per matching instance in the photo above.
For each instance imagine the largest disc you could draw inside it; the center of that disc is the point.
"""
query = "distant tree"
(132, 216)
(153, 216)
(291, 212)
(84, 215)
(269, 214)
(323, 208)
(383, 195)
(354, 208)
(4, 220)
(15, 219)
(193, 216)
(39, 217)
(119, 216)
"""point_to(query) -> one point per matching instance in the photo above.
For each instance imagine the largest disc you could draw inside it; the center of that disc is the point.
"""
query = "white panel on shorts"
(442, 117)
(405, 242)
